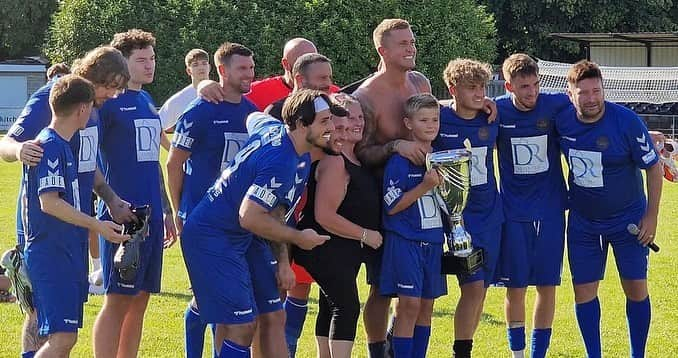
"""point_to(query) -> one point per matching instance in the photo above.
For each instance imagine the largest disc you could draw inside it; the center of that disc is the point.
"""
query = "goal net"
(622, 84)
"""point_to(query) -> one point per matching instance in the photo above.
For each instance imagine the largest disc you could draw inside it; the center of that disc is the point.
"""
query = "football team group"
(278, 184)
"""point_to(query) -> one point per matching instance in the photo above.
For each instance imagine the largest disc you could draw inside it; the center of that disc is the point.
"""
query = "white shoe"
(96, 289)
(96, 278)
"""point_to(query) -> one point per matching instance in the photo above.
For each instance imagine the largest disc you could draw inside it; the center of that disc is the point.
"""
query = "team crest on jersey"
(602, 142)
(483, 133)
(542, 124)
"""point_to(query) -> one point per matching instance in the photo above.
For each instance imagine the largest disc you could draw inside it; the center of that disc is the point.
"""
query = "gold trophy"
(452, 194)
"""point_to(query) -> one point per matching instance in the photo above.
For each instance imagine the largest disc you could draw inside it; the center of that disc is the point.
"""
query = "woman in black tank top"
(344, 201)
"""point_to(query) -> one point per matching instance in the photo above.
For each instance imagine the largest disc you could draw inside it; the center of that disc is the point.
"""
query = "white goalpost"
(655, 85)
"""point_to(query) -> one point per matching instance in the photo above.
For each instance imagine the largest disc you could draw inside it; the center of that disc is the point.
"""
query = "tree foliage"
(341, 29)
(23, 26)
(525, 25)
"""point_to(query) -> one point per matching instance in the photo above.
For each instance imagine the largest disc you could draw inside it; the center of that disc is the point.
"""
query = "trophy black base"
(468, 265)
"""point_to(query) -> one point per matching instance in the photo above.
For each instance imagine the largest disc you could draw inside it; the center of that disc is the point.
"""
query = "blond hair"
(466, 71)
(384, 28)
(419, 101)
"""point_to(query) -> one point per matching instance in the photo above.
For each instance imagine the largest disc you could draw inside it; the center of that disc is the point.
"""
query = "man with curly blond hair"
(483, 216)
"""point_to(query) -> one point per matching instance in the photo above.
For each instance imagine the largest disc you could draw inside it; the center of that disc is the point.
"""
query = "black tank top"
(361, 205)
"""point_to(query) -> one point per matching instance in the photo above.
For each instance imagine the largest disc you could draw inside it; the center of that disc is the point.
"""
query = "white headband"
(320, 104)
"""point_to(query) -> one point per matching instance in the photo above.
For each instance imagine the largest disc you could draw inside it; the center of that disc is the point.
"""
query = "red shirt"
(266, 91)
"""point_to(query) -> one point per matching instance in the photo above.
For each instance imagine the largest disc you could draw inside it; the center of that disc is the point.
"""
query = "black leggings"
(335, 266)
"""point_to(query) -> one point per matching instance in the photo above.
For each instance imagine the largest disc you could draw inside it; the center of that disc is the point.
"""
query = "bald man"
(271, 89)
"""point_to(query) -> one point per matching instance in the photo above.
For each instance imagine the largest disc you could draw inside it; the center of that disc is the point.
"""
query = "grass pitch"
(163, 330)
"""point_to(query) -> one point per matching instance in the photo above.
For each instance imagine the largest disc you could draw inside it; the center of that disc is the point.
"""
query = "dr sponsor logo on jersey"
(586, 168)
(232, 144)
(478, 166)
(429, 212)
(89, 144)
(147, 139)
(530, 155)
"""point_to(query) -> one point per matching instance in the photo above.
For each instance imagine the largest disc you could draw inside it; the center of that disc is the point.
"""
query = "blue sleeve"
(51, 170)
(395, 176)
(35, 116)
(273, 183)
(190, 128)
(640, 143)
(558, 101)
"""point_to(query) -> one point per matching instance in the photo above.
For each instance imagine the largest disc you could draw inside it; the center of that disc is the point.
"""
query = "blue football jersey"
(130, 150)
(483, 208)
(256, 123)
(530, 169)
(56, 172)
(37, 115)
(421, 221)
(604, 160)
(264, 172)
(213, 134)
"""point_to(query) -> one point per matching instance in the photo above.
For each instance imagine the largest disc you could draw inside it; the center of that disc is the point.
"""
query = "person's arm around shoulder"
(211, 91)
(19, 143)
(28, 152)
(332, 179)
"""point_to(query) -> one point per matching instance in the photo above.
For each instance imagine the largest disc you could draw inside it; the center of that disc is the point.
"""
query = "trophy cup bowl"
(452, 194)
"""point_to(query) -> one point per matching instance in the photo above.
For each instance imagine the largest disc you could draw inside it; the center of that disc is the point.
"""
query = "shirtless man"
(383, 99)
(383, 95)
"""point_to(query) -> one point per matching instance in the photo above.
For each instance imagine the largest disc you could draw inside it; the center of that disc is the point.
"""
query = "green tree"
(525, 25)
(341, 29)
(23, 26)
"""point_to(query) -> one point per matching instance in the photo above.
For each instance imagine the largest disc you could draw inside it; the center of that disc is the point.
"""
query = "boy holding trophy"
(413, 234)
(460, 123)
